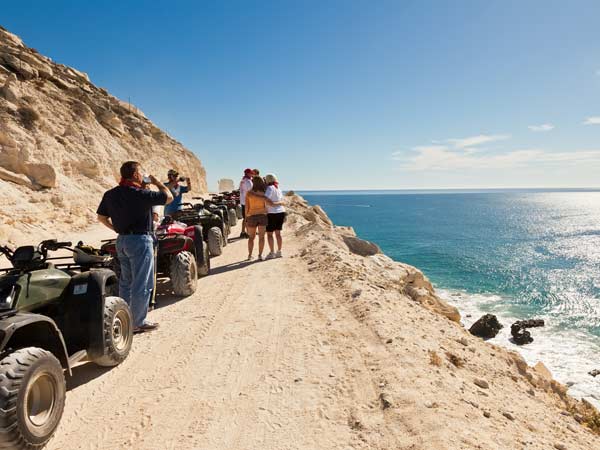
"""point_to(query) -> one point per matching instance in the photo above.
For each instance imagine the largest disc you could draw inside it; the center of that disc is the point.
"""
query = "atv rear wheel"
(184, 273)
(215, 241)
(238, 212)
(232, 217)
(117, 332)
(32, 398)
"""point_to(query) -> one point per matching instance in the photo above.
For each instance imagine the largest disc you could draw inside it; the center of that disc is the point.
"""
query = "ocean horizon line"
(450, 190)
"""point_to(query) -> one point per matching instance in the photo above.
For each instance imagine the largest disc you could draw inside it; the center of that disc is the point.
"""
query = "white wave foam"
(568, 354)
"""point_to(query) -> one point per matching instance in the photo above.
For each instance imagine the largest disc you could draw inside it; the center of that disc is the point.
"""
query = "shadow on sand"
(85, 373)
(232, 266)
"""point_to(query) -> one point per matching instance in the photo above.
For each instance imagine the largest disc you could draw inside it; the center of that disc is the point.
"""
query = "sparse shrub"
(28, 116)
(457, 361)
(585, 413)
(434, 359)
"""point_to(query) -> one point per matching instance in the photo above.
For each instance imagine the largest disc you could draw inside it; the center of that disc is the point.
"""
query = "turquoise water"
(518, 254)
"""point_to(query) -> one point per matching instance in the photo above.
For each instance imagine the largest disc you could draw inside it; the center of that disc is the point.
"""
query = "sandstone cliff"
(62, 141)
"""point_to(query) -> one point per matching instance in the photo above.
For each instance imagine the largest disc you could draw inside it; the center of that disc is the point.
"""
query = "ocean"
(519, 254)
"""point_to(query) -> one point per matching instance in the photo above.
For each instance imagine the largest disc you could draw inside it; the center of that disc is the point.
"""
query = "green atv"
(214, 229)
(52, 316)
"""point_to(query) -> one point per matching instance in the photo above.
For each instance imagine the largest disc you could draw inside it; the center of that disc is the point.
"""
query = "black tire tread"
(13, 369)
(232, 217)
(184, 274)
(215, 241)
(112, 357)
(204, 268)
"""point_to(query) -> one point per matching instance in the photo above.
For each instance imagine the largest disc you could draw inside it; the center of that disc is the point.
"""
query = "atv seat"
(25, 257)
(82, 257)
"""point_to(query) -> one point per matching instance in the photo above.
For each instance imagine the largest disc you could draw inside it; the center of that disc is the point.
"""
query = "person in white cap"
(275, 215)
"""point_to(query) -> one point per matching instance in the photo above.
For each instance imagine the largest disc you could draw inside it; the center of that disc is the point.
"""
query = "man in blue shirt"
(127, 209)
(176, 190)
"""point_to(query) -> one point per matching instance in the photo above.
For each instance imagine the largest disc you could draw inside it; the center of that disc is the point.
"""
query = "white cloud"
(443, 158)
(542, 127)
(592, 121)
(474, 141)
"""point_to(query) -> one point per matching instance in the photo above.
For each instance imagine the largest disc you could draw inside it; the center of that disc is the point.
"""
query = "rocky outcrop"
(360, 246)
(486, 327)
(335, 249)
(316, 214)
(62, 137)
(226, 185)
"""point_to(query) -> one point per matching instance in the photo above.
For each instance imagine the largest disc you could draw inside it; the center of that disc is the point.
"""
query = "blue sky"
(350, 94)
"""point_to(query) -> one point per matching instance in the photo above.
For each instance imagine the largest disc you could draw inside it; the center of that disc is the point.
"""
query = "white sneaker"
(250, 258)
(278, 254)
(271, 255)
(260, 258)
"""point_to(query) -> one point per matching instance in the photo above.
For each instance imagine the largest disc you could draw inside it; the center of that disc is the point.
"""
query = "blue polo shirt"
(130, 208)
(177, 192)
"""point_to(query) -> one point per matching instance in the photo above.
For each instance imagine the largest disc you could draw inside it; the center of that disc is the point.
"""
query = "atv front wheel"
(215, 241)
(32, 398)
(117, 332)
(238, 212)
(232, 217)
(226, 232)
(204, 265)
(183, 273)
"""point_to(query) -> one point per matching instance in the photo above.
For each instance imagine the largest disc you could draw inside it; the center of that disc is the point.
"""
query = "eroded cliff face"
(62, 141)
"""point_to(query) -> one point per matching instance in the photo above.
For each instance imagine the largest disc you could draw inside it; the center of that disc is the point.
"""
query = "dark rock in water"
(519, 333)
(486, 327)
(594, 372)
(521, 336)
(531, 323)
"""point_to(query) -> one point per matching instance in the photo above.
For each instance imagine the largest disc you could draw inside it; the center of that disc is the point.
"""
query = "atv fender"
(83, 326)
(28, 329)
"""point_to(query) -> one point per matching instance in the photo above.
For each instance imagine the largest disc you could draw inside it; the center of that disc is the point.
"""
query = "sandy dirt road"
(255, 359)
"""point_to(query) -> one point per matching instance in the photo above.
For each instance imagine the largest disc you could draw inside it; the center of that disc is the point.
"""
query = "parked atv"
(219, 210)
(51, 317)
(179, 257)
(227, 203)
(170, 229)
(232, 200)
(214, 229)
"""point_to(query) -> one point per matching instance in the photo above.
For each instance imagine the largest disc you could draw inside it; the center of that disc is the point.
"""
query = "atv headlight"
(7, 297)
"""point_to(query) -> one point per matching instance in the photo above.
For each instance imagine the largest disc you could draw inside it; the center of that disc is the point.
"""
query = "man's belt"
(150, 233)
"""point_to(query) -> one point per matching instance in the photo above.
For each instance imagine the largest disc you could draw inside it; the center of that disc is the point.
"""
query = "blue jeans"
(136, 256)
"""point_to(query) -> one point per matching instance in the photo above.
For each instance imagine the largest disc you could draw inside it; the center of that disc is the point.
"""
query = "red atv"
(181, 255)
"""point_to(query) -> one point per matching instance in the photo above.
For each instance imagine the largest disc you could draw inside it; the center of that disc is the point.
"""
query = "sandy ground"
(248, 362)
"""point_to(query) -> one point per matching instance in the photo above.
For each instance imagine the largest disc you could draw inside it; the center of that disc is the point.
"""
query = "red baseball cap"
(248, 171)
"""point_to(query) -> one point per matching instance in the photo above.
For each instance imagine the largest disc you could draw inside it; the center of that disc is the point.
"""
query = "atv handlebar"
(53, 245)
(6, 251)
